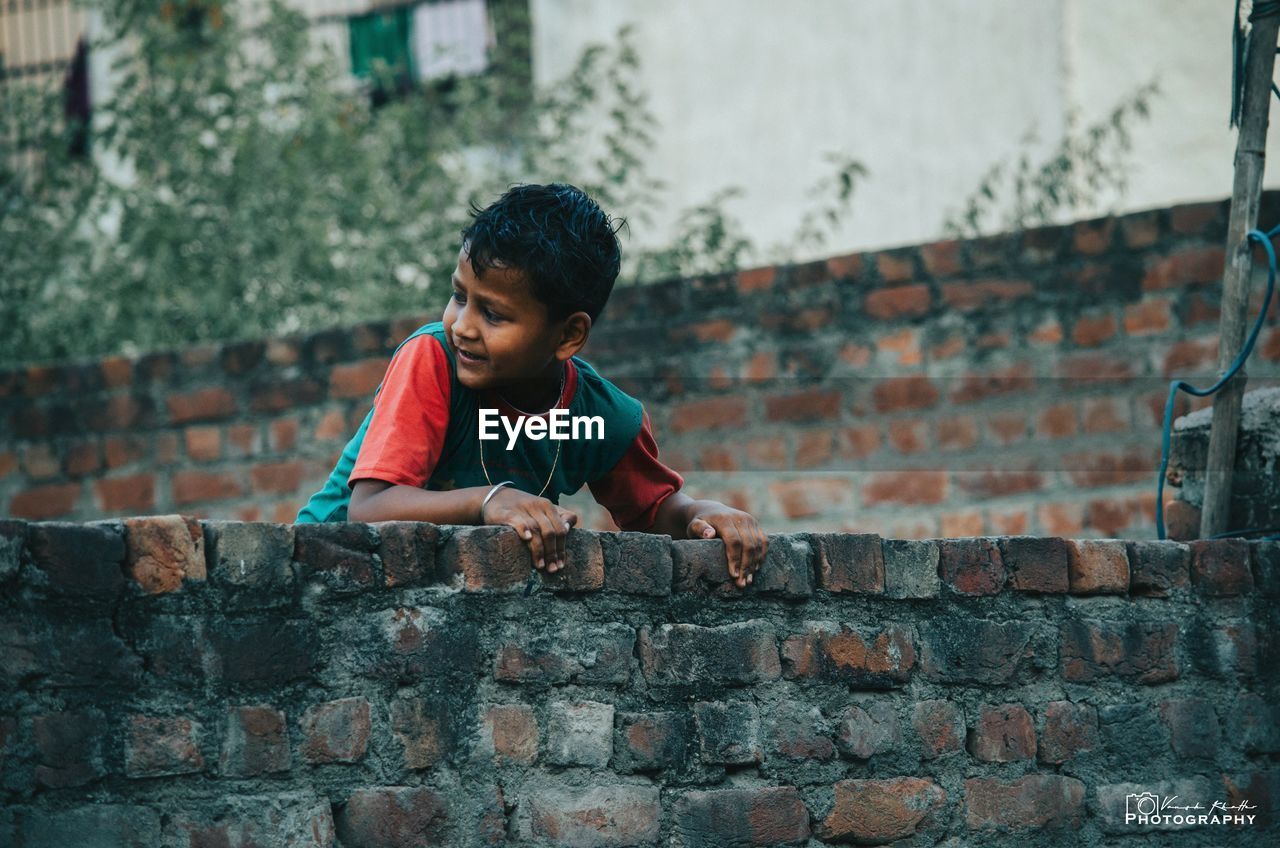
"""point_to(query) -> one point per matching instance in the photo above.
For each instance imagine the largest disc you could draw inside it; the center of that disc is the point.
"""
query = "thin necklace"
(559, 442)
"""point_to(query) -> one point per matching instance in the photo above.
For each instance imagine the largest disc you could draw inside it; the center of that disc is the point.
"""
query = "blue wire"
(1265, 240)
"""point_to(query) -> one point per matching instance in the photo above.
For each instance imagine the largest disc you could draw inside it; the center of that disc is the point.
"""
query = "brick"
(877, 812)
(1262, 789)
(583, 565)
(294, 646)
(997, 484)
(983, 294)
(849, 562)
(898, 302)
(357, 380)
(971, 566)
(711, 414)
(393, 817)
(1057, 421)
(811, 496)
(1191, 357)
(579, 733)
(1093, 330)
(336, 731)
(797, 730)
(651, 742)
(164, 551)
(598, 816)
(1098, 567)
(741, 817)
(202, 405)
(1222, 652)
(960, 649)
(489, 558)
(73, 653)
(1036, 564)
(728, 733)
(849, 267)
(124, 450)
(1189, 266)
(828, 652)
(1069, 729)
(1156, 568)
(910, 568)
(902, 394)
(767, 452)
(198, 486)
(909, 437)
(408, 644)
(332, 427)
(941, 258)
(813, 448)
(1255, 722)
(1220, 567)
(41, 503)
(1003, 734)
(1138, 652)
(1113, 803)
(756, 279)
(256, 742)
(636, 564)
(960, 433)
(284, 394)
(962, 523)
(1093, 237)
(1012, 523)
(77, 560)
(1013, 379)
(940, 726)
(1031, 802)
(733, 654)
(905, 487)
(69, 748)
(1148, 317)
(858, 442)
(407, 550)
(1193, 727)
(509, 731)
(133, 493)
(40, 462)
(424, 727)
(895, 266)
(160, 747)
(1265, 557)
(279, 477)
(341, 556)
(864, 732)
(251, 563)
(589, 654)
(806, 406)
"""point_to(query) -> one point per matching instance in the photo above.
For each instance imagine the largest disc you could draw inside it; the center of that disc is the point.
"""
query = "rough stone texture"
(164, 551)
(1098, 567)
(347, 699)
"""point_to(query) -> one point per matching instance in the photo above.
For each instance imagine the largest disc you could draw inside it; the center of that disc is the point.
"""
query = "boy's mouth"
(469, 358)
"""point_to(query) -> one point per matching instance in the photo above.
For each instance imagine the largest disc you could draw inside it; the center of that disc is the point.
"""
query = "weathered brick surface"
(347, 686)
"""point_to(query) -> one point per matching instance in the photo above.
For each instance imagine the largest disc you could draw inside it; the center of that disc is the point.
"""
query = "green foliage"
(242, 186)
(1084, 167)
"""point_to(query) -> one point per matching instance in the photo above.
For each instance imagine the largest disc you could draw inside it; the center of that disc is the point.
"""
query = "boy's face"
(499, 332)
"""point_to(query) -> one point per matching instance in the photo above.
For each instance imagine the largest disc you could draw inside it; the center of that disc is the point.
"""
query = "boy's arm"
(377, 500)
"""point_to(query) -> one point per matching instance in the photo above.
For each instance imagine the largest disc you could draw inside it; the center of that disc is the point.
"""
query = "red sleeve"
(410, 416)
(638, 484)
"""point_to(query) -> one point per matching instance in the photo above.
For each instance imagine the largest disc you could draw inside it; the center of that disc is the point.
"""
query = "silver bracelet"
(492, 492)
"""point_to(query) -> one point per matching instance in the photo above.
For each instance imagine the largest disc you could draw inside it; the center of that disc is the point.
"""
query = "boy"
(534, 272)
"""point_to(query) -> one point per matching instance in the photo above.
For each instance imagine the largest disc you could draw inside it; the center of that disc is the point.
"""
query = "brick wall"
(1008, 385)
(165, 681)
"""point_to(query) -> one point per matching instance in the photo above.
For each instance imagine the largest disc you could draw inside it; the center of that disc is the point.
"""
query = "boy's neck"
(539, 394)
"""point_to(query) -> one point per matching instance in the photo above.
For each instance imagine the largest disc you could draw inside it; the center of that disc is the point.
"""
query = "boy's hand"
(542, 524)
(745, 544)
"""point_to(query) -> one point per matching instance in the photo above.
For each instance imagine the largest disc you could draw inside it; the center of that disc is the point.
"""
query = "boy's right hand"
(542, 524)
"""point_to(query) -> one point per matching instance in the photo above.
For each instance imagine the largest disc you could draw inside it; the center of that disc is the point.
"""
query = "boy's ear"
(574, 331)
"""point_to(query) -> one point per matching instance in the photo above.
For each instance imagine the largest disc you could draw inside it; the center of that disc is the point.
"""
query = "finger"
(533, 537)
(761, 547)
(700, 529)
(735, 550)
(562, 532)
(547, 527)
(569, 517)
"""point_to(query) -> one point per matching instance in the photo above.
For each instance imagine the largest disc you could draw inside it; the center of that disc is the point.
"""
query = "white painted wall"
(927, 93)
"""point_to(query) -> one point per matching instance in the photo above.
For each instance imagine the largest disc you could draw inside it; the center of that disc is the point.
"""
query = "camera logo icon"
(1141, 805)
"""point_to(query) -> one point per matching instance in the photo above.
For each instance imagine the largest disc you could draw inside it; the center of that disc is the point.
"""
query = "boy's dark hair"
(558, 236)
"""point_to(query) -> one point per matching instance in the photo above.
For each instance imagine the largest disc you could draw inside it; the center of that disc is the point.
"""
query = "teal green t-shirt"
(567, 464)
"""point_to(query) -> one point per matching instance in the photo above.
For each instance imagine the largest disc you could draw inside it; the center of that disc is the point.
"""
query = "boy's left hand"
(745, 544)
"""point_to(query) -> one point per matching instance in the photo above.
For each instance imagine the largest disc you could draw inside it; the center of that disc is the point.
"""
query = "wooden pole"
(1246, 196)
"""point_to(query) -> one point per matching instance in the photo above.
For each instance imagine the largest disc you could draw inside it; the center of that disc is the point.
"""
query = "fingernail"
(541, 564)
(528, 535)
(707, 533)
